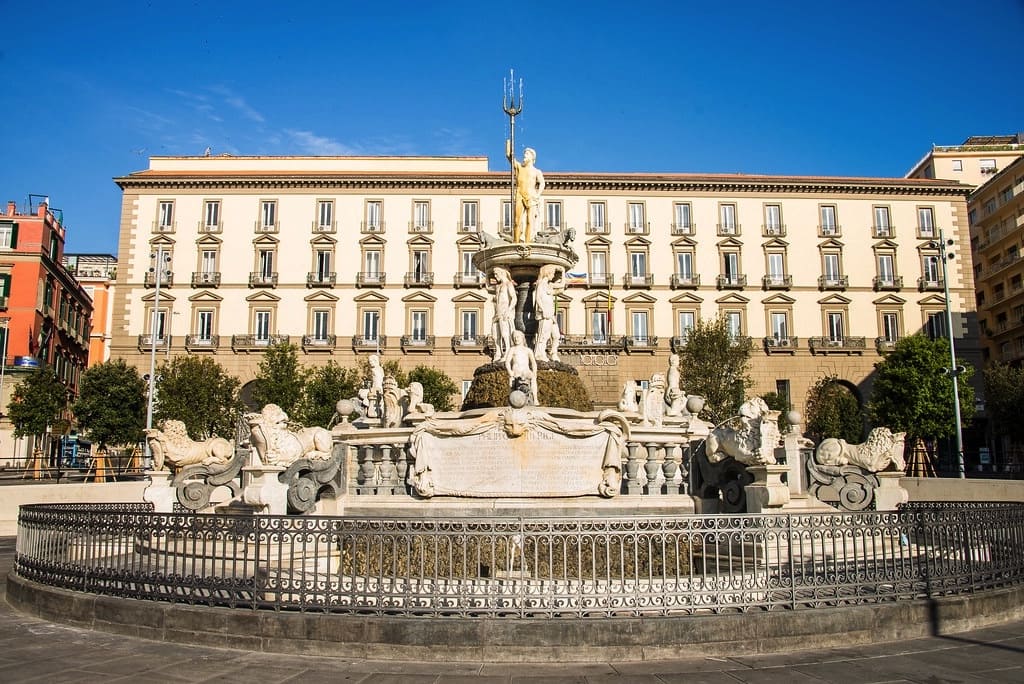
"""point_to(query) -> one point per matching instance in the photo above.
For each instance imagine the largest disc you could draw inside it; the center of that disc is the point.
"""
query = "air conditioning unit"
(207, 277)
(835, 343)
(778, 341)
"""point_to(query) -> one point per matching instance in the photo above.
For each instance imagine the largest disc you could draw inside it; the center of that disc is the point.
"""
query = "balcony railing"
(159, 227)
(600, 279)
(421, 226)
(728, 229)
(331, 227)
(883, 283)
(638, 228)
(925, 284)
(261, 279)
(148, 342)
(777, 230)
(684, 281)
(833, 282)
(201, 342)
(830, 231)
(363, 343)
(419, 279)
(731, 282)
(777, 282)
(372, 226)
(256, 342)
(319, 342)
(166, 279)
(832, 345)
(262, 227)
(205, 228)
(475, 343)
(469, 279)
(879, 232)
(780, 343)
(884, 345)
(370, 279)
(677, 342)
(597, 228)
(417, 343)
(206, 279)
(684, 228)
(636, 343)
(591, 343)
(321, 279)
(637, 280)
(468, 227)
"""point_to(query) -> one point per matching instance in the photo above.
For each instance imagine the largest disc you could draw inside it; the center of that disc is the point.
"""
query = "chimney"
(12, 208)
(41, 211)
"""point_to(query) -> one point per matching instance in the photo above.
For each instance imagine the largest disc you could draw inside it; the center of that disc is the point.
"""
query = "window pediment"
(732, 298)
(321, 296)
(420, 241)
(932, 300)
(687, 298)
(684, 243)
(266, 241)
(370, 297)
(161, 241)
(598, 241)
(775, 244)
(599, 298)
(638, 242)
(729, 243)
(165, 296)
(830, 244)
(639, 298)
(469, 297)
(778, 299)
(205, 296)
(263, 297)
(834, 300)
(420, 298)
(323, 241)
(372, 241)
(208, 240)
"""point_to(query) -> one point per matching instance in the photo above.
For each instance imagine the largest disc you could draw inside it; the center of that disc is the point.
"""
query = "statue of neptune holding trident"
(527, 179)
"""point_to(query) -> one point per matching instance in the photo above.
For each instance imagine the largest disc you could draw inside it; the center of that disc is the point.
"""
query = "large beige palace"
(345, 256)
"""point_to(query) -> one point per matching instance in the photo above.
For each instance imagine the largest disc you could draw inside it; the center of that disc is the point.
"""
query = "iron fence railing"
(523, 567)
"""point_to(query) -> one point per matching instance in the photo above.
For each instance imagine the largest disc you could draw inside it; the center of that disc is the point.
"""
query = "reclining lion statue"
(171, 446)
(881, 448)
(277, 444)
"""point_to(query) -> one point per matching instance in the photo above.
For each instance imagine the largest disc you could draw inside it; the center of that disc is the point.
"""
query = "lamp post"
(954, 370)
(161, 258)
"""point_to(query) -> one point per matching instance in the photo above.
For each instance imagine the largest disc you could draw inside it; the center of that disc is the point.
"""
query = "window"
(374, 222)
(204, 325)
(987, 165)
(734, 323)
(685, 321)
(553, 214)
(166, 217)
(157, 321)
(636, 224)
(935, 326)
(599, 265)
(371, 263)
(773, 219)
(420, 273)
(506, 216)
(684, 266)
(421, 216)
(470, 321)
(930, 268)
(731, 268)
(599, 325)
(833, 273)
(829, 226)
(468, 269)
(886, 270)
(638, 264)
(469, 217)
(7, 234)
(834, 320)
(323, 265)
(321, 324)
(211, 216)
(958, 164)
(266, 263)
(325, 216)
(261, 325)
(596, 214)
(780, 325)
(682, 218)
(881, 226)
(268, 216)
(890, 326)
(466, 385)
(638, 320)
(925, 222)
(727, 219)
(776, 268)
(371, 325)
(419, 327)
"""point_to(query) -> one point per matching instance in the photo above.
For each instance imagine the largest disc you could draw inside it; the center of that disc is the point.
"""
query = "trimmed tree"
(914, 394)
(325, 385)
(438, 388)
(833, 411)
(198, 391)
(111, 406)
(714, 364)
(37, 402)
(280, 378)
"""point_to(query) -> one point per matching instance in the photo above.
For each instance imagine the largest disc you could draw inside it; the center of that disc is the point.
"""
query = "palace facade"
(345, 256)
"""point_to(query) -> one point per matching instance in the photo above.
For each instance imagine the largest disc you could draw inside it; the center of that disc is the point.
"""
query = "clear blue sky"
(91, 89)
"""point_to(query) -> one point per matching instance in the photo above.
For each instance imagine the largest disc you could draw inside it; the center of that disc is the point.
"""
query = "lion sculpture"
(750, 438)
(277, 444)
(881, 448)
(171, 446)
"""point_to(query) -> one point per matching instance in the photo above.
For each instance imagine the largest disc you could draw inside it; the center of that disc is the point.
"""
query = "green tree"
(325, 385)
(198, 391)
(714, 364)
(833, 411)
(280, 378)
(913, 393)
(111, 405)
(438, 388)
(391, 367)
(1004, 396)
(779, 402)
(36, 402)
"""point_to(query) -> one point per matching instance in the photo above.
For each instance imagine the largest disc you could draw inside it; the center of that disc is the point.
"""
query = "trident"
(512, 107)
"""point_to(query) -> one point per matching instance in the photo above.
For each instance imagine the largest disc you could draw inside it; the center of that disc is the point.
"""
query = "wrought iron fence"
(523, 567)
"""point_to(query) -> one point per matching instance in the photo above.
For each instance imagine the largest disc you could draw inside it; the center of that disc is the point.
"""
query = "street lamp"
(954, 370)
(160, 260)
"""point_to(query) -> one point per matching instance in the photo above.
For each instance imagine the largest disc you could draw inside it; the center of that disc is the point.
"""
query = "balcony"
(728, 229)
(600, 280)
(881, 232)
(321, 279)
(637, 227)
(166, 279)
(633, 281)
(206, 279)
(463, 227)
(781, 344)
(419, 279)
(731, 282)
(597, 228)
(421, 226)
(159, 227)
(927, 232)
(260, 227)
(837, 345)
(364, 343)
(371, 227)
(319, 342)
(830, 231)
(833, 282)
(470, 343)
(677, 342)
(684, 281)
(684, 228)
(641, 343)
(585, 343)
(883, 345)
(887, 283)
(204, 228)
(776, 230)
(370, 279)
(331, 227)
(777, 282)
(202, 342)
(417, 343)
(245, 343)
(926, 284)
(148, 342)
(261, 279)
(469, 279)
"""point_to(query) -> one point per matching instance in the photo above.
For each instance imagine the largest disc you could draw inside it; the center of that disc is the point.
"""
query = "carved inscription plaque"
(538, 463)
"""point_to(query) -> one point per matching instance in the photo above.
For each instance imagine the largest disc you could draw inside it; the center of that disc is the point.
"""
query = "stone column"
(264, 490)
(767, 493)
(160, 493)
(522, 297)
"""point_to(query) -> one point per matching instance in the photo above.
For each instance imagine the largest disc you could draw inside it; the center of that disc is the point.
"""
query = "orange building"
(96, 273)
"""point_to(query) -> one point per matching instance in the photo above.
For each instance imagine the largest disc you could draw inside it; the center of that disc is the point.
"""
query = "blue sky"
(92, 89)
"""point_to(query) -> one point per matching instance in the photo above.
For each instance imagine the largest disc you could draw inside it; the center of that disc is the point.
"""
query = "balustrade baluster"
(632, 469)
(387, 473)
(366, 470)
(401, 469)
(670, 467)
(651, 468)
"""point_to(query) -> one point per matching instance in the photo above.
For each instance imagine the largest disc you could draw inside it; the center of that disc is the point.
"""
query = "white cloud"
(311, 143)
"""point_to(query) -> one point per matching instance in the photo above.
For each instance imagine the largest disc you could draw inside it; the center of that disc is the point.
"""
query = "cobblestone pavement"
(34, 650)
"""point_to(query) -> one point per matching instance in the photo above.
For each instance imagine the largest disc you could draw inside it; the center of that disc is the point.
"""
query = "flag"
(572, 278)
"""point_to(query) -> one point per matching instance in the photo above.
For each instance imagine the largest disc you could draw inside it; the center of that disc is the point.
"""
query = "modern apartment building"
(344, 256)
(96, 273)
